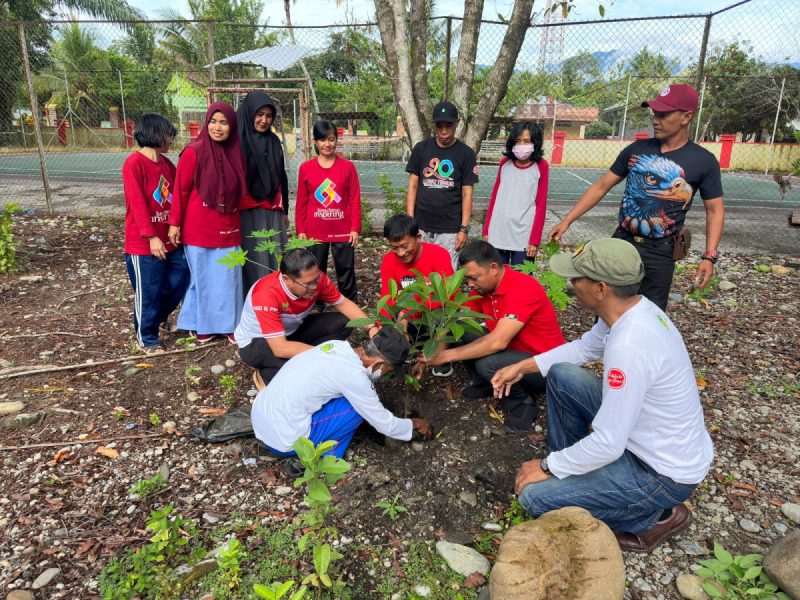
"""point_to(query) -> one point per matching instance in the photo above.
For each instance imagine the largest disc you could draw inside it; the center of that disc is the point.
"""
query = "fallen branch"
(136, 357)
(80, 294)
(31, 335)
(86, 441)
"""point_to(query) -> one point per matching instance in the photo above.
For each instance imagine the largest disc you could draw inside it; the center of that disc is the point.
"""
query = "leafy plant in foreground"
(228, 384)
(8, 250)
(155, 420)
(394, 198)
(237, 258)
(277, 590)
(554, 285)
(148, 487)
(391, 508)
(737, 576)
(228, 560)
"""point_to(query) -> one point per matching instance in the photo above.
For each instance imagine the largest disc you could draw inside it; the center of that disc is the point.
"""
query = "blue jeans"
(627, 494)
(337, 420)
(513, 257)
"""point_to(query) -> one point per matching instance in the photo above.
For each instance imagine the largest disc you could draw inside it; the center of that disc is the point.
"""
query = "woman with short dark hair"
(157, 268)
(209, 185)
(329, 207)
(266, 203)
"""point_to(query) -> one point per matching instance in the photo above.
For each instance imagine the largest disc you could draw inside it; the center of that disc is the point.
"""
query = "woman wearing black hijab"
(266, 204)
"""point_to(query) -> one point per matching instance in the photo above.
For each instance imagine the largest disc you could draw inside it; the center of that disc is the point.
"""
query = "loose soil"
(63, 504)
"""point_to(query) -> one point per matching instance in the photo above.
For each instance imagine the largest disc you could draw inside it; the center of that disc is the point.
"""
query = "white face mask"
(523, 151)
(375, 372)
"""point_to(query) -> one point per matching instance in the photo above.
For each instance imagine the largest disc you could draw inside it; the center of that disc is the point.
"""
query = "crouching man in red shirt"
(521, 323)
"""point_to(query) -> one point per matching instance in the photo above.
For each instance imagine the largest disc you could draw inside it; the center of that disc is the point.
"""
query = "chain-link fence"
(582, 81)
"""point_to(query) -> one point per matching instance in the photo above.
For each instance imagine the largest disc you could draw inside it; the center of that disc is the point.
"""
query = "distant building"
(571, 119)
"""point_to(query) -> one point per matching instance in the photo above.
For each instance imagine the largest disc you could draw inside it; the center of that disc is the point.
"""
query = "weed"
(228, 384)
(148, 487)
(740, 576)
(763, 268)
(366, 216)
(277, 590)
(709, 290)
(228, 561)
(155, 420)
(554, 285)
(186, 342)
(391, 508)
(394, 198)
(191, 373)
(118, 415)
(514, 515)
(8, 249)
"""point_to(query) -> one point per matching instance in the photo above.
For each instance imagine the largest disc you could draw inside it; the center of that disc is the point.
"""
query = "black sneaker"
(478, 391)
(444, 370)
(521, 418)
(294, 467)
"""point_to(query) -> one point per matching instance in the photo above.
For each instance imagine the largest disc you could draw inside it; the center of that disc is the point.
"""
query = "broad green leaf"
(704, 572)
(263, 592)
(430, 347)
(392, 288)
(317, 492)
(712, 590)
(300, 594)
(457, 329)
(722, 555)
(326, 580)
(752, 573)
(322, 558)
(324, 447)
(454, 282)
(360, 322)
(304, 448)
(303, 541)
(234, 258)
(333, 465)
(284, 587)
(749, 560)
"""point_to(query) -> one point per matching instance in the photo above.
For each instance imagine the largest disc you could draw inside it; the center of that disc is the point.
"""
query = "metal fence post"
(625, 112)
(700, 110)
(26, 65)
(212, 67)
(775, 127)
(701, 60)
(447, 58)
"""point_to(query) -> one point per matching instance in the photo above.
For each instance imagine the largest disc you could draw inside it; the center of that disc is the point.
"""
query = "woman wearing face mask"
(266, 203)
(518, 205)
(209, 185)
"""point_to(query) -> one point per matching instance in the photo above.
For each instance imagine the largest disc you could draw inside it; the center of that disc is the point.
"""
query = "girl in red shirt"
(329, 207)
(266, 203)
(209, 186)
(156, 267)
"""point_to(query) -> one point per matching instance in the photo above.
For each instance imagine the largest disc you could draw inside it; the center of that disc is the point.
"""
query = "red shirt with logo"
(521, 298)
(328, 200)
(200, 225)
(431, 259)
(148, 190)
(271, 310)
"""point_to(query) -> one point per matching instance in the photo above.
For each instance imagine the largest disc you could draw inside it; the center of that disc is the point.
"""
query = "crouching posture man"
(325, 393)
(631, 446)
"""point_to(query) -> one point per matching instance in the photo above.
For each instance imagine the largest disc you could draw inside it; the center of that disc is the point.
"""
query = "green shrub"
(8, 251)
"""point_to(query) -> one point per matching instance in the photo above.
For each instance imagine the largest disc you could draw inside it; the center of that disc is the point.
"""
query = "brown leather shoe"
(258, 381)
(679, 520)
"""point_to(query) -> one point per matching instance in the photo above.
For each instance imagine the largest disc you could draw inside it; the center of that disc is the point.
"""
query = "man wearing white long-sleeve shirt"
(631, 446)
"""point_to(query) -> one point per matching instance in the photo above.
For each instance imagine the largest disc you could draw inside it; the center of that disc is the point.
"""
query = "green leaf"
(360, 322)
(322, 558)
(752, 573)
(304, 448)
(457, 329)
(392, 288)
(722, 555)
(303, 541)
(326, 580)
(324, 447)
(749, 560)
(234, 258)
(454, 282)
(263, 591)
(712, 590)
(263, 234)
(318, 492)
(333, 465)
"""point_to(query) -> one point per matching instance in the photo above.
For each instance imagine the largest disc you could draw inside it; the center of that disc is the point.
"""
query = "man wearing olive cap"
(629, 446)
(662, 175)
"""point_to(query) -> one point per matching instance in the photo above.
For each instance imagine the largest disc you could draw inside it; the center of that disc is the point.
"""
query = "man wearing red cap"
(662, 175)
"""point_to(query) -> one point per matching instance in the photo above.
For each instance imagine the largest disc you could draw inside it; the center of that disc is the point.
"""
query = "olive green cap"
(610, 260)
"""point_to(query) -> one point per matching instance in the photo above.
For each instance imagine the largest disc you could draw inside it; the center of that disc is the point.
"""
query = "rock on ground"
(46, 577)
(782, 563)
(461, 559)
(690, 587)
(565, 554)
(9, 408)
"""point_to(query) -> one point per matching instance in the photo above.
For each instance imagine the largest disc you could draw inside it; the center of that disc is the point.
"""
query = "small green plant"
(148, 487)
(740, 576)
(394, 198)
(554, 285)
(186, 342)
(514, 515)
(277, 590)
(321, 472)
(191, 373)
(228, 384)
(709, 290)
(229, 563)
(763, 268)
(237, 258)
(118, 415)
(8, 249)
(391, 508)
(155, 420)
(366, 216)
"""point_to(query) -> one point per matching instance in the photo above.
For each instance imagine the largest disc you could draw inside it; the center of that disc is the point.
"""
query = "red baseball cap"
(678, 96)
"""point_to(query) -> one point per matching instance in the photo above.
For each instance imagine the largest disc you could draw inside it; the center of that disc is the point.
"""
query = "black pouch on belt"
(683, 241)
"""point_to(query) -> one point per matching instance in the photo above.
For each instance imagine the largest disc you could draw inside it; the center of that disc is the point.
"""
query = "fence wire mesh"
(582, 81)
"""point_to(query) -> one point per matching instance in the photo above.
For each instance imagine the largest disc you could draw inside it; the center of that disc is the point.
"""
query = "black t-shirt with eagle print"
(659, 187)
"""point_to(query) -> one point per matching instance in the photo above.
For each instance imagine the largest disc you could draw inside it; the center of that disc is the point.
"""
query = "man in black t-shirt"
(442, 171)
(662, 175)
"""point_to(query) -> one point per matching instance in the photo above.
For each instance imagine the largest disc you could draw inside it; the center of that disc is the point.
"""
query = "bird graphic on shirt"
(652, 181)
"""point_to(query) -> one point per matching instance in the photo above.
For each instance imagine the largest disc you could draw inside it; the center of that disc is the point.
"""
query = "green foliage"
(234, 258)
(228, 384)
(394, 198)
(366, 216)
(738, 576)
(392, 509)
(277, 590)
(599, 130)
(237, 258)
(322, 471)
(147, 487)
(229, 563)
(554, 285)
(8, 250)
(155, 420)
(191, 373)
(514, 515)
(709, 290)
(763, 268)
(147, 571)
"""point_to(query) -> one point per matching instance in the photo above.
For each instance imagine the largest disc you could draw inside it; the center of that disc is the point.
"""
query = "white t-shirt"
(514, 207)
(651, 405)
(282, 411)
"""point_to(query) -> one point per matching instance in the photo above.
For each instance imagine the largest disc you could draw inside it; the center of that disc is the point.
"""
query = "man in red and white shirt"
(277, 323)
(629, 447)
(521, 322)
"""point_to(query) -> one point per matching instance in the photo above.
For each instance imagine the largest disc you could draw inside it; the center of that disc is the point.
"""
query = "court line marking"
(578, 177)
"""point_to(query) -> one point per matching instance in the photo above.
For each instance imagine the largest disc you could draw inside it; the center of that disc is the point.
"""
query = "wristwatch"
(543, 466)
(711, 256)
(464, 229)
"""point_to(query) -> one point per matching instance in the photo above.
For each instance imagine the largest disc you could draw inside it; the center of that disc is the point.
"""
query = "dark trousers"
(343, 261)
(658, 266)
(513, 257)
(315, 329)
(481, 370)
(158, 287)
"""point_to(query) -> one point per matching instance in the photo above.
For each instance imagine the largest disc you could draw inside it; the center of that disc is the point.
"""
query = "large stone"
(20, 595)
(565, 554)
(782, 563)
(461, 559)
(690, 587)
(9, 408)
(726, 286)
(21, 421)
(791, 511)
(189, 574)
(46, 577)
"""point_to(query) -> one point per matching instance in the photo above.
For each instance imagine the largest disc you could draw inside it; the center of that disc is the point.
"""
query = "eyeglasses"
(310, 285)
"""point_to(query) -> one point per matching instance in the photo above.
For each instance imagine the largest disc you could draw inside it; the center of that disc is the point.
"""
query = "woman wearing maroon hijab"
(209, 185)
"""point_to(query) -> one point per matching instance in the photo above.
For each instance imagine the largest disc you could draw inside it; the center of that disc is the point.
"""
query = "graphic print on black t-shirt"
(438, 174)
(656, 196)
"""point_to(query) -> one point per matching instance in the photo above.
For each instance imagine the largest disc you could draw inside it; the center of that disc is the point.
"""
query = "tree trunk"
(497, 81)
(465, 65)
(287, 10)
(419, 51)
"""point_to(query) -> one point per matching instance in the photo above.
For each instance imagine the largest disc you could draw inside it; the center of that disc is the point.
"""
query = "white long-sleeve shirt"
(650, 406)
(282, 411)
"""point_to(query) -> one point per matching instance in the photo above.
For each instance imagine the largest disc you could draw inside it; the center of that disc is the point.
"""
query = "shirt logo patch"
(284, 306)
(327, 347)
(326, 193)
(663, 321)
(665, 91)
(439, 169)
(616, 379)
(162, 194)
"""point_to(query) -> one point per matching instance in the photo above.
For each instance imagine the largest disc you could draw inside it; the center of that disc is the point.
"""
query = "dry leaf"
(120, 410)
(701, 382)
(193, 471)
(85, 547)
(107, 452)
(212, 412)
(144, 365)
(59, 456)
(475, 580)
